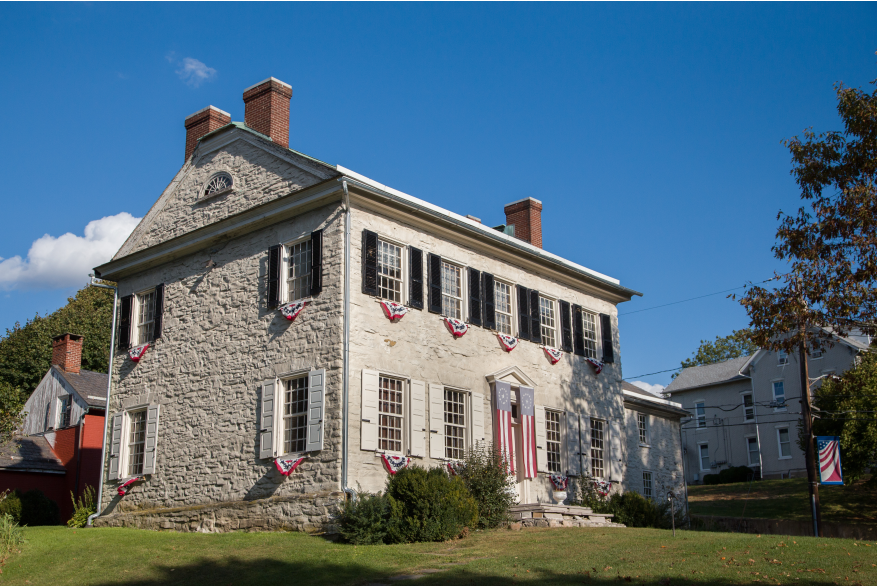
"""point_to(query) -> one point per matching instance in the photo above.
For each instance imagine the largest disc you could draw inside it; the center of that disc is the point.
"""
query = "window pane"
(704, 457)
(753, 450)
(390, 414)
(642, 426)
(503, 299)
(552, 431)
(455, 424)
(590, 333)
(145, 317)
(546, 312)
(298, 281)
(295, 417)
(647, 485)
(136, 442)
(785, 448)
(389, 271)
(748, 408)
(700, 413)
(452, 291)
(597, 449)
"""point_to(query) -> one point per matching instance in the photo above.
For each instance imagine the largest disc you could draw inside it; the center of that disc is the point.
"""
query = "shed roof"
(91, 386)
(693, 377)
(30, 453)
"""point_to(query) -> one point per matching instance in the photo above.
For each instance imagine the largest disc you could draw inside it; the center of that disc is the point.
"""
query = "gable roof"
(636, 397)
(90, 386)
(702, 375)
(628, 386)
(30, 454)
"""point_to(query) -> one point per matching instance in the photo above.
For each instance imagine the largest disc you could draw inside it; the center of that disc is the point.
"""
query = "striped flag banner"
(504, 439)
(829, 460)
(528, 431)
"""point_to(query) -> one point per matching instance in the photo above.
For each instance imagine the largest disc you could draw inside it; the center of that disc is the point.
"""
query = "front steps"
(543, 515)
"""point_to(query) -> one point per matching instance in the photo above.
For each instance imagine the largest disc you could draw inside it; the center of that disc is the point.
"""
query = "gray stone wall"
(661, 455)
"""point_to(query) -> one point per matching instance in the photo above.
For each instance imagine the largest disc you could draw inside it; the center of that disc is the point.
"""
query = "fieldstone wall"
(661, 455)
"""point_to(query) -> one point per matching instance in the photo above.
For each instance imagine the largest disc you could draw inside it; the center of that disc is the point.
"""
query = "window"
(295, 414)
(552, 437)
(217, 184)
(452, 291)
(298, 263)
(390, 414)
(700, 414)
(597, 449)
(704, 457)
(748, 408)
(145, 316)
(548, 321)
(455, 424)
(136, 442)
(779, 395)
(389, 271)
(752, 450)
(642, 425)
(785, 443)
(815, 353)
(647, 484)
(590, 334)
(503, 300)
(65, 406)
(782, 358)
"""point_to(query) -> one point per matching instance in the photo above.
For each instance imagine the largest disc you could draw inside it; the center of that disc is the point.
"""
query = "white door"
(522, 484)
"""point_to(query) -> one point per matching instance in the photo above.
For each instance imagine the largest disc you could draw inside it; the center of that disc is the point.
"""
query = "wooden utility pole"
(810, 444)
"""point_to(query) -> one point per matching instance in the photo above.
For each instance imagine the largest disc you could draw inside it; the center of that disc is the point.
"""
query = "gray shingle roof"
(708, 375)
(29, 453)
(627, 386)
(91, 386)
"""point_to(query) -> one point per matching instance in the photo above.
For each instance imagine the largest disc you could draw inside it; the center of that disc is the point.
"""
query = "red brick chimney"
(67, 352)
(202, 122)
(526, 216)
(266, 109)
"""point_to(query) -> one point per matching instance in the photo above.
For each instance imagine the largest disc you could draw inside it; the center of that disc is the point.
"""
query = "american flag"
(829, 460)
(528, 431)
(504, 439)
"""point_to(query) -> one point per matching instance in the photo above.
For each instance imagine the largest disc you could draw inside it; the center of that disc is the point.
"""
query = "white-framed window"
(647, 484)
(390, 273)
(548, 318)
(779, 395)
(145, 315)
(504, 303)
(642, 427)
(597, 447)
(65, 407)
(133, 446)
(390, 413)
(782, 358)
(219, 183)
(295, 414)
(452, 290)
(455, 424)
(704, 455)
(589, 331)
(752, 451)
(299, 257)
(815, 353)
(748, 408)
(700, 414)
(784, 443)
(553, 441)
(136, 442)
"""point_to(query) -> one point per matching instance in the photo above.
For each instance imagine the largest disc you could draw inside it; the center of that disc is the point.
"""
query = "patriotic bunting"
(287, 466)
(554, 355)
(830, 472)
(603, 487)
(597, 365)
(528, 431)
(393, 310)
(457, 327)
(508, 342)
(395, 464)
(560, 482)
(137, 352)
(456, 468)
(503, 428)
(125, 487)
(291, 310)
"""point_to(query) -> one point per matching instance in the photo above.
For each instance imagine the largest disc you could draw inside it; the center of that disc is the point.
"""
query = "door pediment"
(513, 374)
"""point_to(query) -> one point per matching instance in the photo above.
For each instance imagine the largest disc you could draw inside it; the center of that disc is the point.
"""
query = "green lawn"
(116, 556)
(785, 499)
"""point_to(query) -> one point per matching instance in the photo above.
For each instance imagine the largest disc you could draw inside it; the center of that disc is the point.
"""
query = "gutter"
(345, 377)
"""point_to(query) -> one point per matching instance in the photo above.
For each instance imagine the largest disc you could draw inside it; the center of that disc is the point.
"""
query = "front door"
(522, 484)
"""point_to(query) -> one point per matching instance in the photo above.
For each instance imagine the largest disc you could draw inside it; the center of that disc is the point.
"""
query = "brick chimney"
(266, 109)
(526, 216)
(202, 122)
(67, 352)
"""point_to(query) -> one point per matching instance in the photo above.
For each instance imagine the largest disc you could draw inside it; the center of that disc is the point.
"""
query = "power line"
(696, 298)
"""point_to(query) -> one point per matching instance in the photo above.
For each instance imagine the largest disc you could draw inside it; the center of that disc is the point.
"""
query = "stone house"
(288, 314)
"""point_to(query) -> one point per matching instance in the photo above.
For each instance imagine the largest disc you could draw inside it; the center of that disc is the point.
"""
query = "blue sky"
(651, 132)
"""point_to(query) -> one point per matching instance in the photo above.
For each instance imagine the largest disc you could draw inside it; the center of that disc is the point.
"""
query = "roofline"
(32, 470)
(651, 398)
(726, 381)
(62, 373)
(636, 400)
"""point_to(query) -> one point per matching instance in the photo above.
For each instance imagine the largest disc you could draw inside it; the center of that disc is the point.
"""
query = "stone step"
(565, 523)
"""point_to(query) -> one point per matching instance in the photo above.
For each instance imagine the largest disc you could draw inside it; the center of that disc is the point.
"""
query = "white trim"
(700, 458)
(268, 80)
(522, 200)
(555, 311)
(652, 398)
(206, 109)
(515, 372)
(748, 453)
(513, 292)
(788, 430)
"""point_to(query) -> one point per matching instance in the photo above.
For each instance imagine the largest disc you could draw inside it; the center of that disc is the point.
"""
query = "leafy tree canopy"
(737, 344)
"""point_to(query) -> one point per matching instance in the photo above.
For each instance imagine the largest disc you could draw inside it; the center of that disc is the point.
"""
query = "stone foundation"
(309, 512)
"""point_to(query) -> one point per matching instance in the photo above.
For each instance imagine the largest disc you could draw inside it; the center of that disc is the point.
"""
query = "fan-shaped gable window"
(221, 182)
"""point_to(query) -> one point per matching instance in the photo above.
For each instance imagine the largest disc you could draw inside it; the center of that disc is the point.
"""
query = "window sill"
(784, 458)
(701, 429)
(641, 445)
(751, 421)
(215, 195)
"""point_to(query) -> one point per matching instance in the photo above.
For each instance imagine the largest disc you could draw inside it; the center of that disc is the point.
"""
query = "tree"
(737, 344)
(11, 417)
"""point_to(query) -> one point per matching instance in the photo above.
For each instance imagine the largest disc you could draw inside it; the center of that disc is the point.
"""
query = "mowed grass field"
(561, 556)
(784, 499)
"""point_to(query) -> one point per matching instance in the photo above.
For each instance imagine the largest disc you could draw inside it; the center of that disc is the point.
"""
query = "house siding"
(45, 398)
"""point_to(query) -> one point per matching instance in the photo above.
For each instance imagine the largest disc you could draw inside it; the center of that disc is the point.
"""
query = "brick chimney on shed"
(202, 122)
(67, 352)
(266, 109)
(526, 216)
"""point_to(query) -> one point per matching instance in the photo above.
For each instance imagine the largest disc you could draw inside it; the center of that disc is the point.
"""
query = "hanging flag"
(293, 309)
(830, 472)
(395, 464)
(393, 310)
(560, 482)
(125, 487)
(603, 487)
(528, 431)
(137, 352)
(554, 354)
(504, 440)
(457, 327)
(287, 466)
(597, 365)
(508, 342)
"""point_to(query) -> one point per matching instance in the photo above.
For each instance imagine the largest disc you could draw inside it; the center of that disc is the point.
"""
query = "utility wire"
(696, 298)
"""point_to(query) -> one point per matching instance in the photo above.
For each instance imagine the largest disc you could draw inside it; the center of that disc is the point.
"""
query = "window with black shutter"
(578, 333)
(434, 263)
(565, 327)
(524, 312)
(535, 317)
(488, 301)
(606, 331)
(316, 262)
(369, 263)
(159, 312)
(415, 278)
(274, 261)
(474, 297)
(126, 310)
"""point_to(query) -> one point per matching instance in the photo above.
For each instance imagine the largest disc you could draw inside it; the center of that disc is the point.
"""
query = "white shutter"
(477, 418)
(417, 420)
(316, 409)
(115, 446)
(150, 448)
(266, 427)
(541, 441)
(573, 444)
(369, 424)
(436, 421)
(616, 455)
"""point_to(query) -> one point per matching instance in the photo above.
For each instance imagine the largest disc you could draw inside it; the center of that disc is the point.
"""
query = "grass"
(785, 499)
(121, 556)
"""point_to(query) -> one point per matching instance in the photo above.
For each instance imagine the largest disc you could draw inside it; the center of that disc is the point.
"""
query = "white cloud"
(65, 261)
(194, 72)
(655, 388)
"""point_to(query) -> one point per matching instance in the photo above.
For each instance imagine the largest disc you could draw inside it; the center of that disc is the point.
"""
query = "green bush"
(11, 505)
(10, 535)
(629, 508)
(38, 510)
(484, 474)
(364, 520)
(84, 507)
(736, 475)
(711, 479)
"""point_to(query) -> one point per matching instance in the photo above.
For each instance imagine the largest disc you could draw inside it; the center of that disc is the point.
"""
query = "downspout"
(103, 451)
(345, 378)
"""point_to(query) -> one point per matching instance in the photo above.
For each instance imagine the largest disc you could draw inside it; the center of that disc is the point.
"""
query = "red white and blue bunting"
(597, 365)
(508, 342)
(560, 482)
(125, 487)
(393, 310)
(291, 310)
(287, 466)
(456, 468)
(137, 352)
(554, 354)
(456, 327)
(603, 487)
(395, 463)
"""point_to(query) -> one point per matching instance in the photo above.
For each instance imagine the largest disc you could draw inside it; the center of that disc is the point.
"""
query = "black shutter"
(125, 310)
(565, 328)
(578, 331)
(274, 254)
(435, 283)
(488, 301)
(415, 278)
(316, 262)
(535, 318)
(158, 310)
(606, 330)
(474, 297)
(523, 313)
(369, 263)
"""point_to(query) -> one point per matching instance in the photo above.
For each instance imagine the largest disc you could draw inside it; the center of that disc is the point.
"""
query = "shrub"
(364, 520)
(736, 475)
(711, 479)
(38, 510)
(484, 474)
(11, 505)
(10, 535)
(635, 511)
(86, 506)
